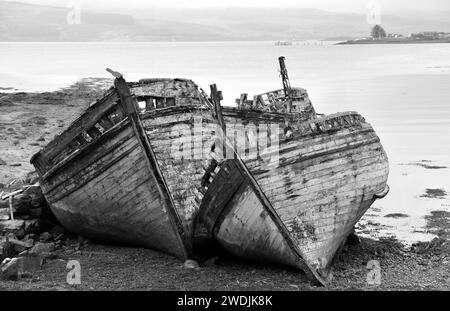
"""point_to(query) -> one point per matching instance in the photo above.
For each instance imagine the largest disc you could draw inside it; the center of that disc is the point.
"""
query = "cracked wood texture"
(181, 156)
(320, 181)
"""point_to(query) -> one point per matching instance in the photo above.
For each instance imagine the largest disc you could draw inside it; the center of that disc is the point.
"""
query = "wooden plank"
(81, 183)
(216, 97)
(220, 192)
(85, 148)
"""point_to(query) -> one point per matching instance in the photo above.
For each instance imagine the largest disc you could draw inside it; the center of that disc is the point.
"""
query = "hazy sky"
(329, 5)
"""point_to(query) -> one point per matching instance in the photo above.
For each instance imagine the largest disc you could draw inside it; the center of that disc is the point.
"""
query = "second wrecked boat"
(311, 184)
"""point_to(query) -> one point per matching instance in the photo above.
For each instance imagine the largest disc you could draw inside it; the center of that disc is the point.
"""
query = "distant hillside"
(27, 22)
(293, 23)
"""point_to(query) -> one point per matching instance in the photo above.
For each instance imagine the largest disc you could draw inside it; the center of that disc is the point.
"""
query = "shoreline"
(393, 41)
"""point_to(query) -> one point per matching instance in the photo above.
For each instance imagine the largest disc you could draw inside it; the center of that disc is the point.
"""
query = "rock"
(11, 236)
(36, 212)
(24, 254)
(213, 261)
(4, 214)
(5, 249)
(29, 242)
(44, 250)
(32, 178)
(9, 269)
(23, 217)
(2, 162)
(82, 241)
(20, 234)
(59, 244)
(20, 246)
(30, 198)
(37, 198)
(57, 229)
(31, 236)
(353, 239)
(190, 264)
(46, 236)
(32, 226)
(21, 204)
(12, 226)
(60, 238)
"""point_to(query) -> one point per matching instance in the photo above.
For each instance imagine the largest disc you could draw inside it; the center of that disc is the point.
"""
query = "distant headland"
(378, 36)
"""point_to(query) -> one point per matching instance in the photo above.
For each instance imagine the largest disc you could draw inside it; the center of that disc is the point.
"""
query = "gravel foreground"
(424, 266)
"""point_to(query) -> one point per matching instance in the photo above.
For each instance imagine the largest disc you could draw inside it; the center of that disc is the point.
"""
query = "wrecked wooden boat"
(116, 173)
(317, 177)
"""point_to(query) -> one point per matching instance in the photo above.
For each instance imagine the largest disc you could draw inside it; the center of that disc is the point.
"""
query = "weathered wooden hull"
(238, 215)
(320, 181)
(102, 179)
(326, 177)
(113, 198)
(181, 138)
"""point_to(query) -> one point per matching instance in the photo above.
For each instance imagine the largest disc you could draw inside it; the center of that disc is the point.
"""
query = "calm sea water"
(402, 90)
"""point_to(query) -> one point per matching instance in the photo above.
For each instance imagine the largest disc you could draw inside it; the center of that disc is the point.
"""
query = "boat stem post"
(284, 77)
(216, 97)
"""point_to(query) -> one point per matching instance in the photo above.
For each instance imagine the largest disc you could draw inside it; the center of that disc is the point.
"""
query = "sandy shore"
(28, 121)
